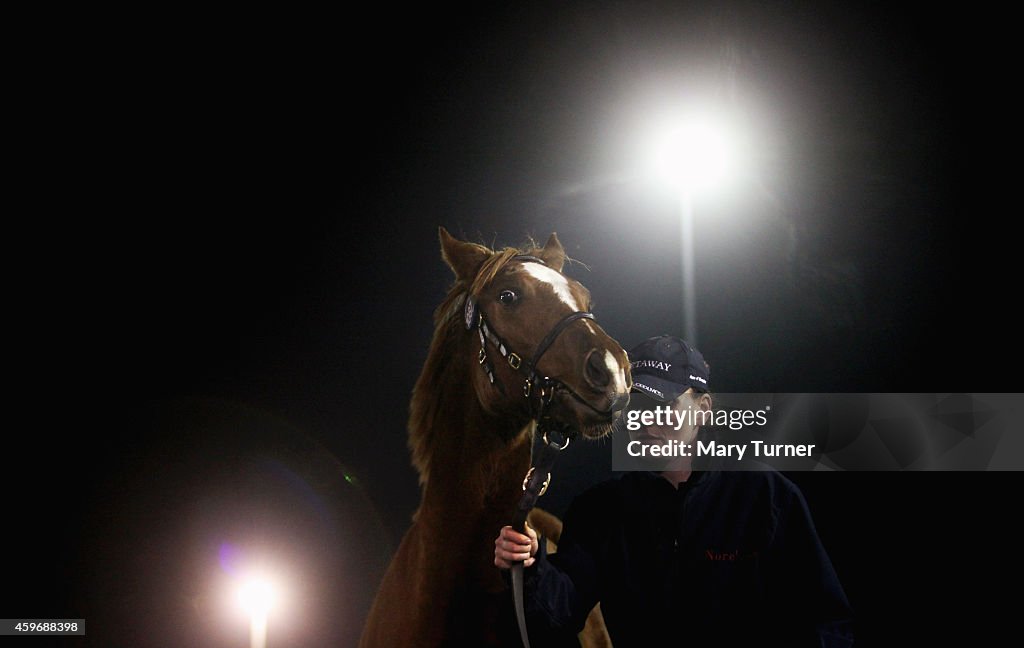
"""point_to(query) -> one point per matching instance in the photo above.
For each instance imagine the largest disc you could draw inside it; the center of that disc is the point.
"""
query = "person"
(683, 554)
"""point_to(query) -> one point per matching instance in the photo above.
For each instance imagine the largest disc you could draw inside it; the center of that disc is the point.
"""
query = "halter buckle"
(514, 360)
(527, 387)
(481, 356)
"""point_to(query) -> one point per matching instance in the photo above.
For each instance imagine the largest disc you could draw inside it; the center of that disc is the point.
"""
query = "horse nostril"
(620, 402)
(595, 370)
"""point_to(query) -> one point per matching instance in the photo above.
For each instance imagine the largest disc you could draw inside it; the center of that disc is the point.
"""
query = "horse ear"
(463, 257)
(553, 253)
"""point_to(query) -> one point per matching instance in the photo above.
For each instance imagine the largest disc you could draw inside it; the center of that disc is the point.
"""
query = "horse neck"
(467, 456)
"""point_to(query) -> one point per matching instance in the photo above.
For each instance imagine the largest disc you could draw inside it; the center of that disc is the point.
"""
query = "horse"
(470, 432)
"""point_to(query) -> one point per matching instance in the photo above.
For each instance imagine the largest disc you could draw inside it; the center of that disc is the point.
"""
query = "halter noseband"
(528, 368)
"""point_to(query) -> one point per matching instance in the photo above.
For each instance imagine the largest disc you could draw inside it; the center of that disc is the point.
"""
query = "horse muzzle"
(591, 418)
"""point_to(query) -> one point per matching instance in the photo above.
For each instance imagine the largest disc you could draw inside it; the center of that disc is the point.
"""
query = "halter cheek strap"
(516, 361)
(473, 315)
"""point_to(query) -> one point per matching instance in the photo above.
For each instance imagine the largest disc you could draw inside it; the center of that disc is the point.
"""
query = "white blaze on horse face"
(617, 373)
(556, 280)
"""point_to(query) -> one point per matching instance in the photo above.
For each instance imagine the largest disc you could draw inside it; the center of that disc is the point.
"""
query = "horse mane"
(437, 373)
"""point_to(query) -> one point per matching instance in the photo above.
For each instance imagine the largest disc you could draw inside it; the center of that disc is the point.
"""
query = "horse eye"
(507, 297)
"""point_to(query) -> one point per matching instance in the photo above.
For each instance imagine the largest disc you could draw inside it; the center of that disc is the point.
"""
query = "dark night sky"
(235, 258)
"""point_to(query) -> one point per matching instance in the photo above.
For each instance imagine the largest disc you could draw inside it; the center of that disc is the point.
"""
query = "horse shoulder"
(412, 597)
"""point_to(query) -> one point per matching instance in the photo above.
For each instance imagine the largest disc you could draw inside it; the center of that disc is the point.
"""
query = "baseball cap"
(665, 366)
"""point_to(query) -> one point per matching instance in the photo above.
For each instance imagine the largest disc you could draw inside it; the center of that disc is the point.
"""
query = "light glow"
(693, 152)
(257, 594)
(695, 155)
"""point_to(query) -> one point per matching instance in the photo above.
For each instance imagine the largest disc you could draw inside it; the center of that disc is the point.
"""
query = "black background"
(232, 219)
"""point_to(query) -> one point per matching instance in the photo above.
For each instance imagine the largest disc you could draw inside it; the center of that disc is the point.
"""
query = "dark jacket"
(730, 558)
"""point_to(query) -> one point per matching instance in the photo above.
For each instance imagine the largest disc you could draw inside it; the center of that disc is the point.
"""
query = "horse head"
(536, 338)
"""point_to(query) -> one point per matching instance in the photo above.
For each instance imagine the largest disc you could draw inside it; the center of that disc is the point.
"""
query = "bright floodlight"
(694, 155)
(257, 595)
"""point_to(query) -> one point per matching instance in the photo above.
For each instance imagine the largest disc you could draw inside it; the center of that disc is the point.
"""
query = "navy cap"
(665, 366)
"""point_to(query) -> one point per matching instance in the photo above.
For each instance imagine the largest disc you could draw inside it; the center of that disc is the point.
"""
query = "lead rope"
(548, 441)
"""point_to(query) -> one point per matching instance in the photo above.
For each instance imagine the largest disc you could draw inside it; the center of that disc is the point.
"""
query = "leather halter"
(534, 383)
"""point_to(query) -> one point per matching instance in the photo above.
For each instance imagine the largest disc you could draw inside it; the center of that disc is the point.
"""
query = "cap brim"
(658, 388)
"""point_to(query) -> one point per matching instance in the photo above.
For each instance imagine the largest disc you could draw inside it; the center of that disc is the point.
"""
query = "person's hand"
(512, 547)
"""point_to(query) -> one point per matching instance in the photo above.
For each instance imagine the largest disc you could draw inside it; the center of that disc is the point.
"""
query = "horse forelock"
(490, 269)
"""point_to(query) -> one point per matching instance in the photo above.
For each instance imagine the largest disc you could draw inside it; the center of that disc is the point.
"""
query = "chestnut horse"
(470, 430)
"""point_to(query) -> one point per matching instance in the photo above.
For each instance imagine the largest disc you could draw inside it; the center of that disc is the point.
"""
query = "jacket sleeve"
(811, 607)
(560, 589)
